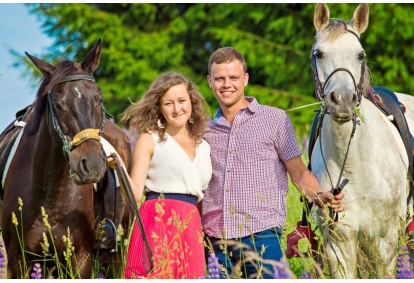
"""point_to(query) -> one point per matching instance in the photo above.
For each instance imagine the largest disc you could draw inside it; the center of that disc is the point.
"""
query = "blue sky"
(22, 32)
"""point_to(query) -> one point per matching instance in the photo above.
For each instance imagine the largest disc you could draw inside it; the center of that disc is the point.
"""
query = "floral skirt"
(174, 233)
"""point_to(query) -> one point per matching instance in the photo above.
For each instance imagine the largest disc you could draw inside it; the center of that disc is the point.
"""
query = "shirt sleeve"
(286, 143)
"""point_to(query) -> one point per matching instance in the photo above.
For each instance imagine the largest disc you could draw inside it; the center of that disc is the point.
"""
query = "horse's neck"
(48, 159)
(367, 136)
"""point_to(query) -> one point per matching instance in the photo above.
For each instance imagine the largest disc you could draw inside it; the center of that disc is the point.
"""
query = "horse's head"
(72, 104)
(338, 61)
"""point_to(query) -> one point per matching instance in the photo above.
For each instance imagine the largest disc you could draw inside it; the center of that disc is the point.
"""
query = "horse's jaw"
(90, 176)
(341, 114)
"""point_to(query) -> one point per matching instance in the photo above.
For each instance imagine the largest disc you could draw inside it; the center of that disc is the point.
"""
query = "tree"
(141, 40)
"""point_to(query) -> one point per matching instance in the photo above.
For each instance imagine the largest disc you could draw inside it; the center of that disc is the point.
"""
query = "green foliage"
(140, 40)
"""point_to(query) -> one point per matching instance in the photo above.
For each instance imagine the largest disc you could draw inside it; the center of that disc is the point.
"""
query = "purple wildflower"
(356, 119)
(213, 267)
(101, 276)
(2, 260)
(404, 267)
(306, 274)
(37, 271)
(305, 143)
(282, 270)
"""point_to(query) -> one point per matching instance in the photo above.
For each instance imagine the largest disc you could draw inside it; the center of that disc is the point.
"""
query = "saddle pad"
(19, 128)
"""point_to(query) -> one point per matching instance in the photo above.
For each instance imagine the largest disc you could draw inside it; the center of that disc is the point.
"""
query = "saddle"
(388, 103)
(8, 137)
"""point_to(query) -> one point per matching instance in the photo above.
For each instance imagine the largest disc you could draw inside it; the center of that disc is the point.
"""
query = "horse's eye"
(361, 55)
(318, 54)
(57, 107)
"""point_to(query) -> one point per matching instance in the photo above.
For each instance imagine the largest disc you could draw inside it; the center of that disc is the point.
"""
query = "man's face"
(227, 80)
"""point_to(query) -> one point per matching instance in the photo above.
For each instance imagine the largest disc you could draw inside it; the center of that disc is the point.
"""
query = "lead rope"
(338, 187)
(128, 191)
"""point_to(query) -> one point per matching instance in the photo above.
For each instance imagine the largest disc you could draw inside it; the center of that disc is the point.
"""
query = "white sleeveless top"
(172, 171)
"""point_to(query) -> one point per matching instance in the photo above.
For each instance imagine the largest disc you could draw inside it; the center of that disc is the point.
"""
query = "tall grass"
(304, 266)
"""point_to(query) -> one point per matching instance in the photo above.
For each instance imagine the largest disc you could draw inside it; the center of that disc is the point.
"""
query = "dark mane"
(62, 69)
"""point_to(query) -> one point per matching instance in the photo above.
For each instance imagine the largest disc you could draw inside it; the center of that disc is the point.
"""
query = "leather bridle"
(320, 89)
(83, 135)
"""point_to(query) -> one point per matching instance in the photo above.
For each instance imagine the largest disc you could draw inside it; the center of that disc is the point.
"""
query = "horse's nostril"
(333, 98)
(84, 165)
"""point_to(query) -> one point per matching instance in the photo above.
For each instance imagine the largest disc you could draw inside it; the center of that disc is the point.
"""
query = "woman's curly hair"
(143, 115)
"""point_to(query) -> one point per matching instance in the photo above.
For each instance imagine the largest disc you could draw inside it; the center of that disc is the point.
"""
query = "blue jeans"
(230, 254)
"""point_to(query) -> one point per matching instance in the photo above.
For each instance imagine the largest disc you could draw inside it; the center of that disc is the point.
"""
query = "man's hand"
(334, 202)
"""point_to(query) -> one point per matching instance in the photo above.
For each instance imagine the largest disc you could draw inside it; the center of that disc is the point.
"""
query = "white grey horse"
(359, 143)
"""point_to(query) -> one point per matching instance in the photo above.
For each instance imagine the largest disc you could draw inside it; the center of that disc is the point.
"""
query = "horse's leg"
(341, 252)
(14, 261)
(82, 263)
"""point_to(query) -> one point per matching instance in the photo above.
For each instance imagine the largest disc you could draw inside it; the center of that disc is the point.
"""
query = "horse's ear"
(321, 18)
(45, 68)
(360, 19)
(91, 61)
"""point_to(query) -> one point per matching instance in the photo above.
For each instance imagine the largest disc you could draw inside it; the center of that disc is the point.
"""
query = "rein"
(82, 135)
(128, 191)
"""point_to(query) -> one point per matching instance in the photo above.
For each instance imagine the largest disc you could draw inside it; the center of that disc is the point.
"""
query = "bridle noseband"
(320, 89)
(83, 135)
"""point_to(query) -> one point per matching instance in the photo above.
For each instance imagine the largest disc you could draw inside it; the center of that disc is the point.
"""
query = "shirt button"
(228, 170)
(227, 190)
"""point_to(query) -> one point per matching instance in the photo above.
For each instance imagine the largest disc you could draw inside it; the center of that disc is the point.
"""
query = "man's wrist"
(317, 200)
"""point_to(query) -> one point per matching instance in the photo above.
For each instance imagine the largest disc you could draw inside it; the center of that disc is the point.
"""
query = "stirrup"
(109, 243)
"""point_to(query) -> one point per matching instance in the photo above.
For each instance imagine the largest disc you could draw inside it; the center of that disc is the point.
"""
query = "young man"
(253, 147)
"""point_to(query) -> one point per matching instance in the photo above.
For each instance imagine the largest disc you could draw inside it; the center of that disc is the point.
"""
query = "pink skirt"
(174, 233)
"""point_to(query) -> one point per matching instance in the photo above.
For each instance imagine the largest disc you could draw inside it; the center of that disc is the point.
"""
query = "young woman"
(171, 166)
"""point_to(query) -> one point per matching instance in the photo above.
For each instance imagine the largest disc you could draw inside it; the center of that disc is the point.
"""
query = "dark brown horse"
(55, 167)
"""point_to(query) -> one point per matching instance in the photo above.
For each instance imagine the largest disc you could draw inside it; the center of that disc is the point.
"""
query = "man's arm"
(306, 183)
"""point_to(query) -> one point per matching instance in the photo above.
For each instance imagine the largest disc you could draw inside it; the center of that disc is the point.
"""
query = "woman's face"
(175, 106)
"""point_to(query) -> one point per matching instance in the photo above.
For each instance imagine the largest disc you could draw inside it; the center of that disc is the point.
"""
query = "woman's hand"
(112, 162)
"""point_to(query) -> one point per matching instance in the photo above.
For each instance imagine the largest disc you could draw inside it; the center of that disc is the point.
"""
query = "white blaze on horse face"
(78, 92)
(342, 52)
(339, 64)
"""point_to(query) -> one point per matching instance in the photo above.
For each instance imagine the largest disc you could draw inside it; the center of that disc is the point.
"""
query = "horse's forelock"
(333, 30)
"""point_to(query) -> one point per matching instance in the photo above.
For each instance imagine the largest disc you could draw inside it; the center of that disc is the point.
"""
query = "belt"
(192, 199)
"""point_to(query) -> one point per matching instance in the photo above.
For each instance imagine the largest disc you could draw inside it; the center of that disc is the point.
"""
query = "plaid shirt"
(247, 192)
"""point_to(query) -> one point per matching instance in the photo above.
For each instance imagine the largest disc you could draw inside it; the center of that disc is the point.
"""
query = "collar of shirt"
(253, 107)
